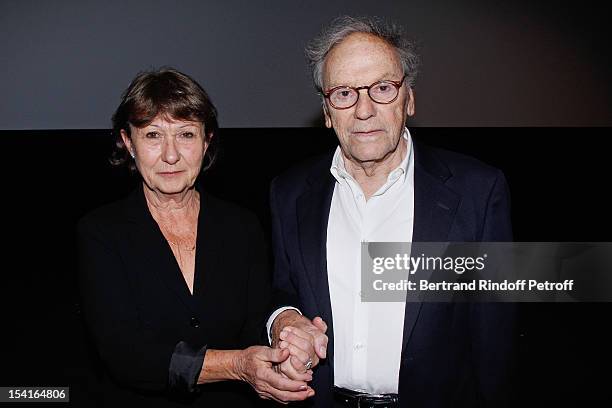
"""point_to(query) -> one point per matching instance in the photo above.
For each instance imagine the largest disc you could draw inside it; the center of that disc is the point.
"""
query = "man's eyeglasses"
(344, 97)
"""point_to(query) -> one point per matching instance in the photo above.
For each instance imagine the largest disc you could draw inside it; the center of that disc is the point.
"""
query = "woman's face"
(168, 153)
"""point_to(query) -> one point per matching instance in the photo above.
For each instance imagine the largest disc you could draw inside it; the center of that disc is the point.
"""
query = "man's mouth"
(367, 132)
(169, 173)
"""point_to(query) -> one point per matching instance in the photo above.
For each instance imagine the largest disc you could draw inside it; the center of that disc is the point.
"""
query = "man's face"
(367, 131)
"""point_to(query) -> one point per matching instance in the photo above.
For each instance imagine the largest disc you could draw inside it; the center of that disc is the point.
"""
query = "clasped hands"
(298, 345)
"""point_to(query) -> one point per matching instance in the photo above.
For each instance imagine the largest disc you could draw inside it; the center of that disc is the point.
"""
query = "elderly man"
(380, 185)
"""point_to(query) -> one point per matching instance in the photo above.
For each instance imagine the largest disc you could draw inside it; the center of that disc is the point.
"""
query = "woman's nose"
(170, 153)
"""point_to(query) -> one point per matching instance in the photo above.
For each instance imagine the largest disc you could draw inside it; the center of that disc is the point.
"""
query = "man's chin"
(366, 156)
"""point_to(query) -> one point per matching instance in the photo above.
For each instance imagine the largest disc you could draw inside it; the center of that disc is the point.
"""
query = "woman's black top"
(150, 332)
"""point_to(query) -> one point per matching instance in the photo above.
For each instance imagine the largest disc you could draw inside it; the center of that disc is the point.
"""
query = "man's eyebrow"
(387, 76)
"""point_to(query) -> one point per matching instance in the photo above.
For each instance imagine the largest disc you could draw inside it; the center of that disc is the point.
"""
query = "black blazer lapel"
(209, 272)
(435, 207)
(149, 240)
(313, 214)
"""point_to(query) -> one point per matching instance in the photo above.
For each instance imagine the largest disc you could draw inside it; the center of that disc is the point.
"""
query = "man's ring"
(308, 364)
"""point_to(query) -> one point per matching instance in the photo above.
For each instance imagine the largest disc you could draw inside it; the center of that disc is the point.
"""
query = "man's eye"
(343, 93)
(384, 88)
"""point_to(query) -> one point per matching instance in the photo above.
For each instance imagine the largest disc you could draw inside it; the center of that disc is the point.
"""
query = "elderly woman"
(174, 281)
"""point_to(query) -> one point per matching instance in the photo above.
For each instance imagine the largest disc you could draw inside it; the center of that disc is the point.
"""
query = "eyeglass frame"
(396, 84)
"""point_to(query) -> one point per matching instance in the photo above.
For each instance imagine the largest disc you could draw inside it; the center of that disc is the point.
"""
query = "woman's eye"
(188, 135)
(152, 135)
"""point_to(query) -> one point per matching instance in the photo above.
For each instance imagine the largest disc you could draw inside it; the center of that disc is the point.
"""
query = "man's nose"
(169, 152)
(364, 108)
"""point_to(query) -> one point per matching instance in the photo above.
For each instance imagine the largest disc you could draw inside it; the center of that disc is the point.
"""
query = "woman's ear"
(207, 141)
(128, 143)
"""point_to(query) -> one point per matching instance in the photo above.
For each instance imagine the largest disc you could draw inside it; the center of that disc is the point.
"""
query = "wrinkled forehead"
(361, 59)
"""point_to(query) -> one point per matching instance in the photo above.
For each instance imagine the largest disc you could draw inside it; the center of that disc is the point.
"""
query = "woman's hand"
(254, 365)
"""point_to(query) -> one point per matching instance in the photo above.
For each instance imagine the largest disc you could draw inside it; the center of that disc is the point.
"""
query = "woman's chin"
(171, 187)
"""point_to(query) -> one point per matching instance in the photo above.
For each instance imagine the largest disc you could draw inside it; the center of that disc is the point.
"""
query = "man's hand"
(305, 340)
(254, 365)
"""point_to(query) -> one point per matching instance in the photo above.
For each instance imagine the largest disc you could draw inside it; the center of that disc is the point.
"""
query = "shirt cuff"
(274, 316)
(185, 367)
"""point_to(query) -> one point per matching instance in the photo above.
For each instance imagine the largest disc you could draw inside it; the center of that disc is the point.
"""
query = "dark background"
(558, 180)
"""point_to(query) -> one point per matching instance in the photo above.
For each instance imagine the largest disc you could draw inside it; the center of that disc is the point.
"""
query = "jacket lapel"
(148, 238)
(313, 213)
(208, 268)
(435, 207)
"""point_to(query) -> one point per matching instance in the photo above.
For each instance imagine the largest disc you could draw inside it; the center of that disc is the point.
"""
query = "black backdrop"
(559, 183)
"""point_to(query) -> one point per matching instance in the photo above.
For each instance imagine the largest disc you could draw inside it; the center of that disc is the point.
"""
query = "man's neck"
(372, 175)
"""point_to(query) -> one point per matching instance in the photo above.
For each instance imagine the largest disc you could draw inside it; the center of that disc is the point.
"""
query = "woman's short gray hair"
(341, 27)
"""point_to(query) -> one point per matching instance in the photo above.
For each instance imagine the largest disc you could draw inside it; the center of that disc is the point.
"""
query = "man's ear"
(410, 107)
(328, 121)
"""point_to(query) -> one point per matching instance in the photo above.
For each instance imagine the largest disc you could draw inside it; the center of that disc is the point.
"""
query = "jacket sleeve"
(497, 226)
(128, 348)
(284, 289)
(494, 325)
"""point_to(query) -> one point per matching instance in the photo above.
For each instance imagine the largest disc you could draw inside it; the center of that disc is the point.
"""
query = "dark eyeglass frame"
(396, 84)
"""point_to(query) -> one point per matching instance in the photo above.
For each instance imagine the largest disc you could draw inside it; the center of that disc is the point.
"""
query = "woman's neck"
(172, 206)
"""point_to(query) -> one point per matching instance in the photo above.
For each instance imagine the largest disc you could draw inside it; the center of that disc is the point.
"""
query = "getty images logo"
(457, 264)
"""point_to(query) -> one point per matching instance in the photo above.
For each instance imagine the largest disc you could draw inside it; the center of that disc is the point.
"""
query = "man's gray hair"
(341, 27)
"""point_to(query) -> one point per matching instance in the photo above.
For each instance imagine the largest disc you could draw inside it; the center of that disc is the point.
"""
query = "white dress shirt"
(367, 336)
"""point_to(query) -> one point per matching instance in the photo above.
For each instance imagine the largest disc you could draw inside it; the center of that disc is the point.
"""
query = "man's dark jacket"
(453, 354)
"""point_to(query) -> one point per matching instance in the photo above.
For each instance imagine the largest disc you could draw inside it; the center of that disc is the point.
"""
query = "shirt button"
(358, 346)
(195, 323)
